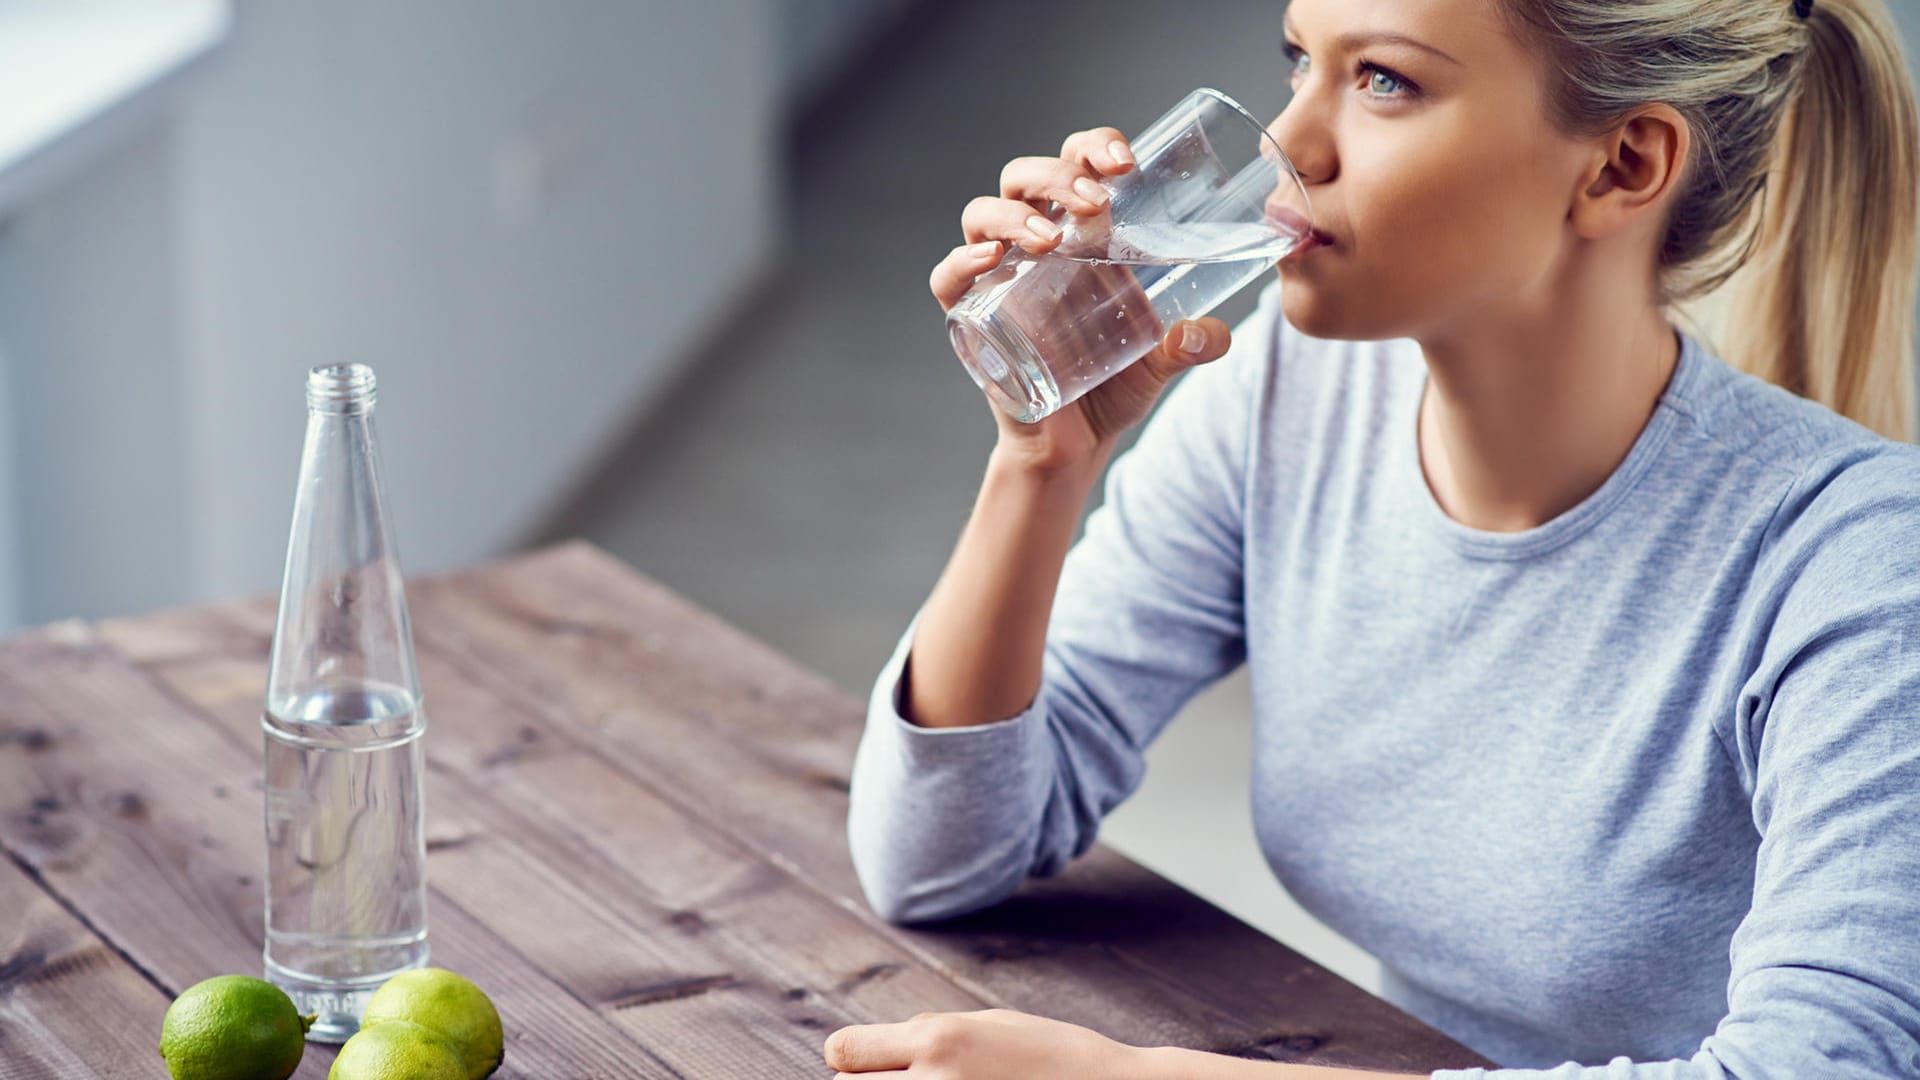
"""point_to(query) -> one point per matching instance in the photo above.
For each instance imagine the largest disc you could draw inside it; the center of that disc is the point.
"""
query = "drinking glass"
(1211, 204)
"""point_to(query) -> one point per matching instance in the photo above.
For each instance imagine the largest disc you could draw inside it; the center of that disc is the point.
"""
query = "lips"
(1313, 241)
(1286, 219)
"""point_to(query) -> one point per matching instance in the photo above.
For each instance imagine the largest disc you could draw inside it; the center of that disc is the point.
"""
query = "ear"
(1634, 168)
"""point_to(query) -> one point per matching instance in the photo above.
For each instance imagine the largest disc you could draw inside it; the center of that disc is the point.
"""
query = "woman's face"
(1420, 129)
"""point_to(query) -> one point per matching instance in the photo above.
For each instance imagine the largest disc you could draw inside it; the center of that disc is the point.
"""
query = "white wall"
(521, 220)
(522, 215)
(101, 508)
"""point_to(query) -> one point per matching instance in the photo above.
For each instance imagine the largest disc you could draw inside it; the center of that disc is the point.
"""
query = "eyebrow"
(1357, 41)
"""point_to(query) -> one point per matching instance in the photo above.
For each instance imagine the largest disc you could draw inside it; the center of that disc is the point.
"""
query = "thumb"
(1188, 344)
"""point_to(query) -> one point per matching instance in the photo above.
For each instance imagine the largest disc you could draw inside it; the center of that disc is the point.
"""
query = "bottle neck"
(342, 626)
(340, 390)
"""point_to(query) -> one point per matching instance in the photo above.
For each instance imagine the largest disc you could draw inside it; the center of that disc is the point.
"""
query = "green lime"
(398, 1050)
(441, 1001)
(233, 1027)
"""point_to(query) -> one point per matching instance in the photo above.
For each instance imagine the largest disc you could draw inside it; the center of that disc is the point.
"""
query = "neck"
(1528, 413)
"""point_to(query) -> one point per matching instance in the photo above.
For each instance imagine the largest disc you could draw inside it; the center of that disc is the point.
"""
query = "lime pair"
(427, 1024)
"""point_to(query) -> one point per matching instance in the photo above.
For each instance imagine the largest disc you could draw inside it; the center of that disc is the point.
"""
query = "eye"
(1382, 82)
(1297, 56)
(1385, 82)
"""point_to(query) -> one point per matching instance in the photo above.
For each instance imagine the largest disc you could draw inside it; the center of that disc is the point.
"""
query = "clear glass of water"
(1211, 204)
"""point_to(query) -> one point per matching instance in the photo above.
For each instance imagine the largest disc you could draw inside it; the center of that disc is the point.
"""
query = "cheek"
(1454, 215)
(1437, 225)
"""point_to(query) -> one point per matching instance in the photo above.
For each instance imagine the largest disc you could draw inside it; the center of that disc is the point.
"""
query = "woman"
(1586, 665)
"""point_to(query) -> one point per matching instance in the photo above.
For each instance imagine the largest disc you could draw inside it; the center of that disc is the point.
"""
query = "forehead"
(1469, 30)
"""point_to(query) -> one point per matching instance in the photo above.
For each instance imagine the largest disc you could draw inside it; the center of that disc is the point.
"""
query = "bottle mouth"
(340, 388)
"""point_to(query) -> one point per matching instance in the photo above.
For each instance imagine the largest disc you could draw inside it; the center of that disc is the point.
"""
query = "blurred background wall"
(648, 271)
(524, 219)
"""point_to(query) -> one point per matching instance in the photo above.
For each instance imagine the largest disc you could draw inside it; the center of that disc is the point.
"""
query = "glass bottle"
(346, 873)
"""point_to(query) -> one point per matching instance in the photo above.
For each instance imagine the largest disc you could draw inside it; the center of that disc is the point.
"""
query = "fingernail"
(1042, 228)
(1120, 152)
(984, 249)
(1192, 339)
(1090, 191)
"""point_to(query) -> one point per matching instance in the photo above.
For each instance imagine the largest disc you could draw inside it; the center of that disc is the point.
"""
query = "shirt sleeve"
(1826, 738)
(1148, 611)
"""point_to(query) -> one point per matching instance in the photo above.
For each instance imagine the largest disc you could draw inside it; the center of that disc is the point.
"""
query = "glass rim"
(1266, 137)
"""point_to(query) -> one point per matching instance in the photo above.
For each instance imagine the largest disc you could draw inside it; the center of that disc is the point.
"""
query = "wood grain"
(703, 712)
(149, 821)
(70, 1006)
(636, 834)
(675, 932)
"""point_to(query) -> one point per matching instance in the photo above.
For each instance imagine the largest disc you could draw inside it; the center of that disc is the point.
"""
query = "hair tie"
(1803, 8)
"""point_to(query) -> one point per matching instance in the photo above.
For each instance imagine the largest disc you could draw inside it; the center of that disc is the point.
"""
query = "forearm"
(1178, 1063)
(981, 638)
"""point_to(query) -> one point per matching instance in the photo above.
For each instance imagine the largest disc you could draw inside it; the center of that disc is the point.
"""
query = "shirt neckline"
(1537, 541)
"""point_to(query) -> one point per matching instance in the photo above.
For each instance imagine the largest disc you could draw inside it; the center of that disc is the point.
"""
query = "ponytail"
(1792, 246)
(1824, 304)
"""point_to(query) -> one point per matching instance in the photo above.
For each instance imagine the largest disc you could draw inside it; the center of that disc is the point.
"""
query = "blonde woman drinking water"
(1584, 637)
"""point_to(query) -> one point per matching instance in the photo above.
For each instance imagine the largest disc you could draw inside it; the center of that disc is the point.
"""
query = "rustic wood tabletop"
(636, 836)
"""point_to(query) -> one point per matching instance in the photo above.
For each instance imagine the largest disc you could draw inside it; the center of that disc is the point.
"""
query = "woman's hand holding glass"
(1036, 194)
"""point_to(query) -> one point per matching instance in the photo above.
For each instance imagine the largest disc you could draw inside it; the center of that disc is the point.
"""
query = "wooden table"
(636, 837)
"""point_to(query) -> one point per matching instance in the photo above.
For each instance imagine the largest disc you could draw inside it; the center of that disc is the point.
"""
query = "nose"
(1307, 141)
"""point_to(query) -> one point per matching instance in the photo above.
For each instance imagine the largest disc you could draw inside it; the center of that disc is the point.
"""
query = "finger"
(1102, 148)
(1190, 343)
(869, 1075)
(953, 275)
(988, 218)
(865, 1048)
(1040, 180)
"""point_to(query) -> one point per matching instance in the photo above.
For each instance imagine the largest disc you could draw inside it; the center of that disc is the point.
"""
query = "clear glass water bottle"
(346, 846)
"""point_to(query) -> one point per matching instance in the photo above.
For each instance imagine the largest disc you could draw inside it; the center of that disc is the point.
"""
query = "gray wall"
(522, 221)
(820, 38)
(93, 500)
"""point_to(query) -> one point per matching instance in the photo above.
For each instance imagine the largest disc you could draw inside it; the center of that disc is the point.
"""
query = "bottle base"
(337, 1004)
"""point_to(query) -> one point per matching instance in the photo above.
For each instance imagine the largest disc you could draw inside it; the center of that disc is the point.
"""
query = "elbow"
(905, 900)
(914, 885)
(911, 871)
(902, 908)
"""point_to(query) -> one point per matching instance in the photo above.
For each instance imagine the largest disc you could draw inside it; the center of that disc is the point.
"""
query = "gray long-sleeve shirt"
(1635, 793)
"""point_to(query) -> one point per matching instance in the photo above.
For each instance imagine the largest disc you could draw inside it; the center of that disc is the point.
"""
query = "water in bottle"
(346, 850)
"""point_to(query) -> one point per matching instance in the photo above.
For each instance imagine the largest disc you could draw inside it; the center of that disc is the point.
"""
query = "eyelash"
(1294, 53)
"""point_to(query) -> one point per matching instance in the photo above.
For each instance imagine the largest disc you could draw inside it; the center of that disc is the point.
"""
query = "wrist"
(1180, 1063)
(1158, 1063)
(1048, 464)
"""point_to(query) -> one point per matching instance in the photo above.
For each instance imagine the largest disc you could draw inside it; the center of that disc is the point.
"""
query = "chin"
(1316, 310)
(1309, 309)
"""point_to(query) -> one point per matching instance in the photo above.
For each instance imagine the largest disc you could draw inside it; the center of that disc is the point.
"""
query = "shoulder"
(1846, 535)
(1843, 502)
(1731, 413)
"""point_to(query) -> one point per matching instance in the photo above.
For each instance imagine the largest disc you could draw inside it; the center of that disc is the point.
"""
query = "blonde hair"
(1792, 243)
